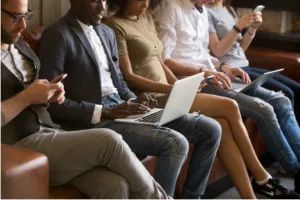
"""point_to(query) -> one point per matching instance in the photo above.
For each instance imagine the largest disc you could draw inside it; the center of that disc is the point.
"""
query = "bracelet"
(237, 29)
(221, 66)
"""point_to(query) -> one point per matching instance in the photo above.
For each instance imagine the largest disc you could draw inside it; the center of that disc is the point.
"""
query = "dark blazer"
(30, 119)
(65, 48)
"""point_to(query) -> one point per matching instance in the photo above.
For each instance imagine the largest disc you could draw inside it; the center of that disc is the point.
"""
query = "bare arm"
(220, 48)
(249, 35)
(139, 82)
(169, 74)
(182, 69)
(247, 38)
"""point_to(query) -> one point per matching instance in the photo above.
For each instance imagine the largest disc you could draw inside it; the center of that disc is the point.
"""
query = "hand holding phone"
(59, 78)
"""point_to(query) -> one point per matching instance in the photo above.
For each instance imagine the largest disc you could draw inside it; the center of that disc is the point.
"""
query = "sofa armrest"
(24, 173)
(275, 59)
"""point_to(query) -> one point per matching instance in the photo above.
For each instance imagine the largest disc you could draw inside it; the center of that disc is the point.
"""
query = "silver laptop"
(239, 86)
(179, 103)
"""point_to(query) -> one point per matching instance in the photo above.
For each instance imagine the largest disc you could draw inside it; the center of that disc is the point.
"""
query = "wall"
(46, 12)
(277, 21)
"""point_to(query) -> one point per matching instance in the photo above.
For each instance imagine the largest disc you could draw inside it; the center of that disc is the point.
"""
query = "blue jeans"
(170, 143)
(289, 87)
(276, 122)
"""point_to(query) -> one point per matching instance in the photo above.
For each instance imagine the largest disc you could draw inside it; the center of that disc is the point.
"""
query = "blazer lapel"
(82, 37)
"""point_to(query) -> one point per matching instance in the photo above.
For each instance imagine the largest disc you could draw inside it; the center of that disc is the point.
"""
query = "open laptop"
(239, 86)
(179, 103)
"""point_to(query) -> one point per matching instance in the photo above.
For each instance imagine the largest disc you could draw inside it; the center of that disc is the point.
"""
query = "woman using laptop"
(142, 67)
(229, 45)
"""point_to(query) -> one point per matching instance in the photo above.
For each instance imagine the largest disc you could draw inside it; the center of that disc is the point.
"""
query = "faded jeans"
(289, 87)
(276, 122)
(170, 143)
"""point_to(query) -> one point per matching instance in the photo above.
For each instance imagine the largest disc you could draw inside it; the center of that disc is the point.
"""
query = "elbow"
(218, 53)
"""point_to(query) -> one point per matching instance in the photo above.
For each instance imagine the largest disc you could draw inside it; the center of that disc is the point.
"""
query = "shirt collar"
(85, 27)
(188, 4)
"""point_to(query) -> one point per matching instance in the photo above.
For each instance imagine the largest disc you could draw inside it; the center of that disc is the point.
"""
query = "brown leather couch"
(25, 174)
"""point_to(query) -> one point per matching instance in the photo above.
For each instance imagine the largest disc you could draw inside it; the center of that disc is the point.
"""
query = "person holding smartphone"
(97, 162)
(183, 28)
(227, 43)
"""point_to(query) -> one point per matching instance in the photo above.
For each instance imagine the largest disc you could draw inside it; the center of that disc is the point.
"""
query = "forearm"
(248, 37)
(147, 85)
(181, 69)
(169, 74)
(222, 47)
(13, 107)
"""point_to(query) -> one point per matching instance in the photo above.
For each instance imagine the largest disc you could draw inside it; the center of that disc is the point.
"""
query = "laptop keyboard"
(153, 118)
(236, 86)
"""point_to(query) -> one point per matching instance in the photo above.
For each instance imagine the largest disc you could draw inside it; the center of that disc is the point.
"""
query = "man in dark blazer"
(97, 161)
(84, 48)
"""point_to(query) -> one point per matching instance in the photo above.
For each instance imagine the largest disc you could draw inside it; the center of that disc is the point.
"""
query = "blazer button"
(40, 121)
(98, 93)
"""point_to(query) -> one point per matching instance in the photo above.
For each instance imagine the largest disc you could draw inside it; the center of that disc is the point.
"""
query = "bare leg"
(220, 107)
(232, 160)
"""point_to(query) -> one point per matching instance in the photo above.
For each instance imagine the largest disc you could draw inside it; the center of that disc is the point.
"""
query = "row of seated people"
(88, 154)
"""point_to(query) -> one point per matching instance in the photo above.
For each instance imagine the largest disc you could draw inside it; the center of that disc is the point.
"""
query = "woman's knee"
(230, 107)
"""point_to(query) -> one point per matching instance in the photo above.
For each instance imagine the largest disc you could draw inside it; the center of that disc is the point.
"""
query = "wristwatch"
(221, 66)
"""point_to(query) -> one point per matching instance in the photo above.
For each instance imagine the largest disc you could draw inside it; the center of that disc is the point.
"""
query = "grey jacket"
(65, 48)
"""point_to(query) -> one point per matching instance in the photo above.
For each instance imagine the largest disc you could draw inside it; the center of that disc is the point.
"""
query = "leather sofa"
(25, 174)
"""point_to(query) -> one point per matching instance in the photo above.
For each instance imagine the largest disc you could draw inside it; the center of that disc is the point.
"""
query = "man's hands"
(43, 91)
(232, 72)
(141, 105)
(124, 110)
(146, 100)
(223, 79)
(220, 79)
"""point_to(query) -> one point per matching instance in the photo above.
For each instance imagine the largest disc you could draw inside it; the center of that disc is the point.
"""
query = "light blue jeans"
(170, 143)
(273, 113)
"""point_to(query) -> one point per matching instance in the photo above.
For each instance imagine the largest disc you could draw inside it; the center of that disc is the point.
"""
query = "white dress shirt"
(183, 31)
(106, 81)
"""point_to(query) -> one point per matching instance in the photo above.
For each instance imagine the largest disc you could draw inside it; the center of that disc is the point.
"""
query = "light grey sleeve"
(212, 28)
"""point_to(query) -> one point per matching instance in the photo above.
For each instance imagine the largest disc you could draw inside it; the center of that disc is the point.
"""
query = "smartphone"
(207, 79)
(259, 8)
(61, 78)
